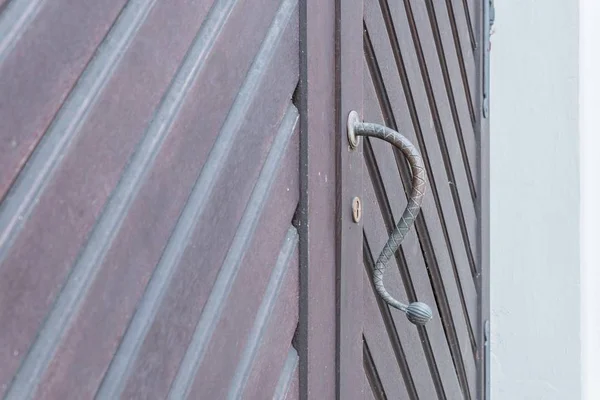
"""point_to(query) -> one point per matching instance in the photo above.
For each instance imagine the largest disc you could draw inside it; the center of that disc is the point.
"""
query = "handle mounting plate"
(353, 138)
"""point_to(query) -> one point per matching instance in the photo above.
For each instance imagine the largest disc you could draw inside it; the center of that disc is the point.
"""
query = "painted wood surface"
(420, 78)
(176, 188)
(150, 178)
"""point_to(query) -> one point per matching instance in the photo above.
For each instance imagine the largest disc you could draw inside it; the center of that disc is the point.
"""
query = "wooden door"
(176, 192)
(149, 181)
(413, 66)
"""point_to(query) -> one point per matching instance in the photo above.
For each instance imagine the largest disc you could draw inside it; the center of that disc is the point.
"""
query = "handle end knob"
(419, 313)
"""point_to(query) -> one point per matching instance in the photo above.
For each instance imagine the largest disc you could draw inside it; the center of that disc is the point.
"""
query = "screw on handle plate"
(418, 313)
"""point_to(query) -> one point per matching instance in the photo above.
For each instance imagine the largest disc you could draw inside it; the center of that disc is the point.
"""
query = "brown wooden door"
(149, 181)
(176, 190)
(412, 66)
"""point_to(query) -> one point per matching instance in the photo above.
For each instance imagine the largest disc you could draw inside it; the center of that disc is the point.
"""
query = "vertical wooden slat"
(316, 337)
(349, 185)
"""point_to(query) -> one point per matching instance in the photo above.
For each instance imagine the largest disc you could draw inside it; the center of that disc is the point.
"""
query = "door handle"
(418, 313)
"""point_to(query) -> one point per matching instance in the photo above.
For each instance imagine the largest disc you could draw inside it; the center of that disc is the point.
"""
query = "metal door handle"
(418, 313)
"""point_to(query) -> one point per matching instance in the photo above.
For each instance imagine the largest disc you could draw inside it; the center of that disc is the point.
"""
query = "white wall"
(535, 269)
(589, 117)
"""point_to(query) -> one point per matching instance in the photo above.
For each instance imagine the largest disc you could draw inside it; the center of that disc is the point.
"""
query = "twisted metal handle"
(418, 313)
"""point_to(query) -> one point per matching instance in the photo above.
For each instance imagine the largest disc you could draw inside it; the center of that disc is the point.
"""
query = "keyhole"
(356, 209)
